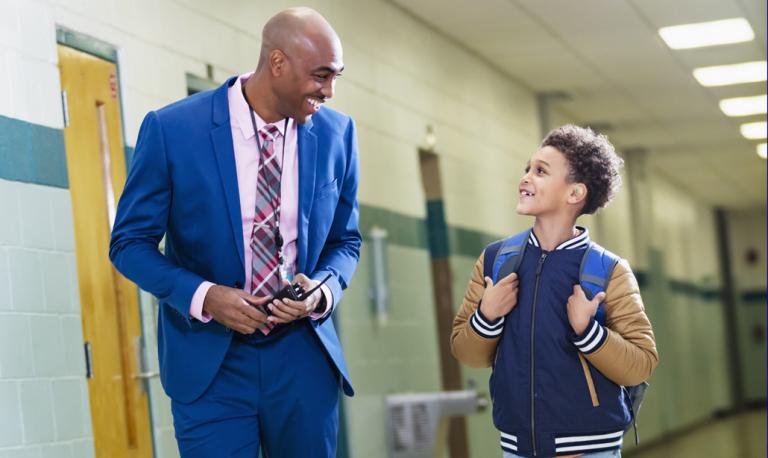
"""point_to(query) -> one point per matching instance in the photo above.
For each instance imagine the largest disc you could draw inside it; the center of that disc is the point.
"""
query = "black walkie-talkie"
(293, 292)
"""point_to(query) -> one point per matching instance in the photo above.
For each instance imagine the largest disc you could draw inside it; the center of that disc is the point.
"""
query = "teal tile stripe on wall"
(128, 157)
(690, 289)
(32, 153)
(756, 297)
(402, 230)
(468, 242)
(437, 230)
(411, 231)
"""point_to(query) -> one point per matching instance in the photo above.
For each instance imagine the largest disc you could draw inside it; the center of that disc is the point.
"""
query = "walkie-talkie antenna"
(315, 288)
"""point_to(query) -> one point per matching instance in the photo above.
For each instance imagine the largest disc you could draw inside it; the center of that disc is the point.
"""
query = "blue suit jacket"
(183, 185)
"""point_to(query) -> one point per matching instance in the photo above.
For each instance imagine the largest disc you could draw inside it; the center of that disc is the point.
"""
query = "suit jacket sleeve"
(341, 250)
(142, 220)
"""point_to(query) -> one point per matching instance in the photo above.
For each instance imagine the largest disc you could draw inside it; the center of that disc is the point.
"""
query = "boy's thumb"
(599, 297)
(576, 289)
(488, 282)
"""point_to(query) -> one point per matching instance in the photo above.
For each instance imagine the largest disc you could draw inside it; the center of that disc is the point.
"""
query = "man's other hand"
(235, 309)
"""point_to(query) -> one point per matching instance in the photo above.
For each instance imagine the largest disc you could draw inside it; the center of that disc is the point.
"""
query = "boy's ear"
(577, 194)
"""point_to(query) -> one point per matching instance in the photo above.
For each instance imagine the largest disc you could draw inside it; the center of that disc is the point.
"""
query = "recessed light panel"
(753, 130)
(702, 34)
(723, 75)
(744, 106)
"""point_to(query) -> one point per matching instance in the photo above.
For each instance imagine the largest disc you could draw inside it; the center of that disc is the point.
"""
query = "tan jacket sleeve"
(628, 355)
(473, 338)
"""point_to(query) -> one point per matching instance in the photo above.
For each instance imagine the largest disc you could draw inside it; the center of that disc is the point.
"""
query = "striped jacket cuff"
(489, 329)
(591, 339)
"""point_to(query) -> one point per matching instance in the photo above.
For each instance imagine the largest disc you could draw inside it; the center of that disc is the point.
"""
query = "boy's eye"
(540, 171)
(527, 169)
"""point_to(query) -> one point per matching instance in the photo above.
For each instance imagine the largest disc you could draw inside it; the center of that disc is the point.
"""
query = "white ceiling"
(606, 55)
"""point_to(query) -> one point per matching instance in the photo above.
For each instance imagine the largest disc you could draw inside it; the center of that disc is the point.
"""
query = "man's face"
(308, 79)
(544, 189)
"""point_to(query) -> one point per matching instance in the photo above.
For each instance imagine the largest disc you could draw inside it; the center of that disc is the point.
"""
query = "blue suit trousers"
(279, 396)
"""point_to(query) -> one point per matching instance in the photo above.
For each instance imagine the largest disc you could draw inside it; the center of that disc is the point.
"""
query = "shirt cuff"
(489, 329)
(318, 314)
(591, 339)
(196, 308)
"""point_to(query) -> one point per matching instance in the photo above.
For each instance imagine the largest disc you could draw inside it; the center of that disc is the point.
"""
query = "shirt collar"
(243, 112)
(574, 243)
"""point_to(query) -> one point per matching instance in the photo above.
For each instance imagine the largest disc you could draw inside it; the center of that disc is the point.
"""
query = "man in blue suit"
(253, 186)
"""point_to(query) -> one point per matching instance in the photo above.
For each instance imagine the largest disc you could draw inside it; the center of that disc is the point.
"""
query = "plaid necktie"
(265, 275)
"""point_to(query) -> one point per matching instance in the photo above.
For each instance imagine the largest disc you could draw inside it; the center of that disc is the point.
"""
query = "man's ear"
(276, 62)
(577, 194)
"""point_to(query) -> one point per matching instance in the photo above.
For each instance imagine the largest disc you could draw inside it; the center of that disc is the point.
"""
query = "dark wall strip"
(437, 230)
(32, 153)
(756, 297)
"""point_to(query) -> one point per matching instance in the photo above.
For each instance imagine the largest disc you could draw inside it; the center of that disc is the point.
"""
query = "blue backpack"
(504, 257)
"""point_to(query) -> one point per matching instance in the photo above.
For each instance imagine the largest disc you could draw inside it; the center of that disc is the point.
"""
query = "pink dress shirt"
(247, 163)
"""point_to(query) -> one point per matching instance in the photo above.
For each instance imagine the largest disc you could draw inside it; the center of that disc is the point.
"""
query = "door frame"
(108, 52)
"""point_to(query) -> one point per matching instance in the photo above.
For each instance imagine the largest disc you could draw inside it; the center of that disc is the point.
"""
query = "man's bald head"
(296, 32)
(301, 58)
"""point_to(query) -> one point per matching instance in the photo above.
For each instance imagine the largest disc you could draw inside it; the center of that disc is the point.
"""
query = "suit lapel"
(307, 144)
(221, 136)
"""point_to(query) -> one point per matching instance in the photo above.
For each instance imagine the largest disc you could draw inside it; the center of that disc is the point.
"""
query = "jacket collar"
(578, 242)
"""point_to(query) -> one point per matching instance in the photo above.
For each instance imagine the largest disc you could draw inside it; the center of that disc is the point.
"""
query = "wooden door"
(109, 303)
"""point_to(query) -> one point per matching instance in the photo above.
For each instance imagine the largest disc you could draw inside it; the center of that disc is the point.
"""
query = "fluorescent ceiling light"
(761, 150)
(702, 34)
(744, 106)
(723, 75)
(753, 130)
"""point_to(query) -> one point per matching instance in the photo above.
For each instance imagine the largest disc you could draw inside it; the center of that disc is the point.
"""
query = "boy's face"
(545, 189)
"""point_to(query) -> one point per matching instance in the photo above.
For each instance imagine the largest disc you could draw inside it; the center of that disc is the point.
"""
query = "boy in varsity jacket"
(559, 358)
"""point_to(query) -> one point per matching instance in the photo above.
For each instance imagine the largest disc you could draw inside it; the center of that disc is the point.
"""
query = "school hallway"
(450, 101)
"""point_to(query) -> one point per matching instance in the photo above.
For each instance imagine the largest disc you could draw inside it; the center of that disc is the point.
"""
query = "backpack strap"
(508, 254)
(595, 271)
(490, 255)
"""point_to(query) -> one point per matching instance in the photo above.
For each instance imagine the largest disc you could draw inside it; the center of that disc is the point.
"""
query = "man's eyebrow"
(327, 69)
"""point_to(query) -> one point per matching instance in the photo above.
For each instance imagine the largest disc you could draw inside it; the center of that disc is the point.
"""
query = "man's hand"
(500, 299)
(235, 309)
(581, 309)
(286, 310)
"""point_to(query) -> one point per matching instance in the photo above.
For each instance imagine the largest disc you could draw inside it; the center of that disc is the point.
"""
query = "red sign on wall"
(113, 85)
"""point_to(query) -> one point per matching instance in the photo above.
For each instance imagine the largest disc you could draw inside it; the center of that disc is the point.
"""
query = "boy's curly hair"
(592, 160)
